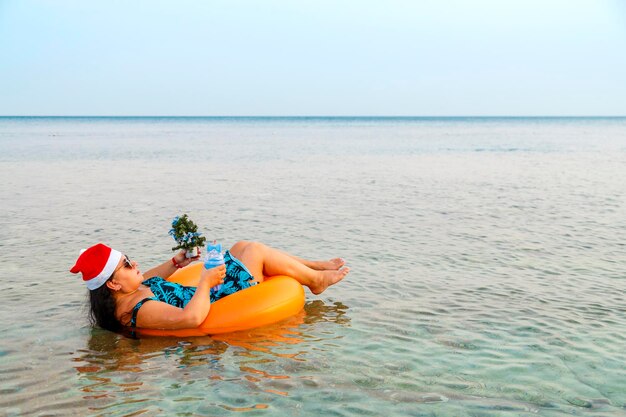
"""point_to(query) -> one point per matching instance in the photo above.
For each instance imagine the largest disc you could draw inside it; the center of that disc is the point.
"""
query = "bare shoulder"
(124, 308)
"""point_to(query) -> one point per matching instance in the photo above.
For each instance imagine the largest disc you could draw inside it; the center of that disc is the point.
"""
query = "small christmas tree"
(185, 233)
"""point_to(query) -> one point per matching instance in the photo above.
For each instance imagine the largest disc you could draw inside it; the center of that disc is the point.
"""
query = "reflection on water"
(115, 369)
(318, 311)
(107, 351)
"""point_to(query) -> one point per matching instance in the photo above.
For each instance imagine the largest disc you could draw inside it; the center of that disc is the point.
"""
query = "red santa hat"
(96, 264)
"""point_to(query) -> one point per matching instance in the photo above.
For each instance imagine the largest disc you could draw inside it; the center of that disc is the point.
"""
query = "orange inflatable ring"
(273, 300)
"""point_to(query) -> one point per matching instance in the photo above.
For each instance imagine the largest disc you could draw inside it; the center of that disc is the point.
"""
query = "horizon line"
(320, 116)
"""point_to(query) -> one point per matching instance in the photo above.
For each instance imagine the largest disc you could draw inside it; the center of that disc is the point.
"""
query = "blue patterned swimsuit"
(237, 278)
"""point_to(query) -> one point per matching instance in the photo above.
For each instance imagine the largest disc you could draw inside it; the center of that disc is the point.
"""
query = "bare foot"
(332, 264)
(328, 278)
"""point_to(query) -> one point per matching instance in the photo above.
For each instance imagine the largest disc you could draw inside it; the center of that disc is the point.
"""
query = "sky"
(315, 58)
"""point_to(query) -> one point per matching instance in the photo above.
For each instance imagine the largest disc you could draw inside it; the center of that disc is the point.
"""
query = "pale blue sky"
(322, 57)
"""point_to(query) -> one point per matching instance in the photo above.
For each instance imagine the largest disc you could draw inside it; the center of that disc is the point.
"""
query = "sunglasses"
(127, 264)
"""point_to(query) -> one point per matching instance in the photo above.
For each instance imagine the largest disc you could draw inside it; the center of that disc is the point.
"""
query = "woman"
(119, 292)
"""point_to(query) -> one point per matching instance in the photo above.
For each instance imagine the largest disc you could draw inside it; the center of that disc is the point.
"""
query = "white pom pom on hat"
(97, 264)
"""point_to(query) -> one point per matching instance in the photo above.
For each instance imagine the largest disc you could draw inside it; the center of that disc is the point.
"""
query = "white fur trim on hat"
(102, 277)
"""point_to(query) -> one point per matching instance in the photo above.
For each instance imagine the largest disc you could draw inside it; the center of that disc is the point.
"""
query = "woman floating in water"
(120, 295)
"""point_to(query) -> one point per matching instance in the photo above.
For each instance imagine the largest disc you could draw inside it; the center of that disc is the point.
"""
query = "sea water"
(488, 261)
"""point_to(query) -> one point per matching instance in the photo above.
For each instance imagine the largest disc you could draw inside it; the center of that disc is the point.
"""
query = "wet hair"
(102, 309)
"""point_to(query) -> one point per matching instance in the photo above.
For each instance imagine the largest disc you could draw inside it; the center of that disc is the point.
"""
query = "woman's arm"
(167, 268)
(160, 315)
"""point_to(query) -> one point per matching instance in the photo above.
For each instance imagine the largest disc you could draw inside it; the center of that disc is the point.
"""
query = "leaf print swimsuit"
(237, 278)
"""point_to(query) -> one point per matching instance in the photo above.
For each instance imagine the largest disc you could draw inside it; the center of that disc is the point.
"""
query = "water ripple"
(483, 283)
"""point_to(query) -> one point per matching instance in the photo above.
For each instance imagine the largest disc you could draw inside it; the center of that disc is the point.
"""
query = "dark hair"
(102, 309)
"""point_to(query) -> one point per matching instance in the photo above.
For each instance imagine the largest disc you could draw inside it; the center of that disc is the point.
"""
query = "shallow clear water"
(487, 256)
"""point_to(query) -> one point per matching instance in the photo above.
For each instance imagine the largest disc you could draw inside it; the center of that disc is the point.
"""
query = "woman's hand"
(182, 260)
(214, 276)
(167, 268)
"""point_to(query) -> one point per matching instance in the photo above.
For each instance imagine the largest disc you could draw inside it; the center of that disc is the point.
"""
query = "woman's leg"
(334, 263)
(261, 260)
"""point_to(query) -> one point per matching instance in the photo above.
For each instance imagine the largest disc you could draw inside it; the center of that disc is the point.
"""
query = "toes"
(337, 263)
